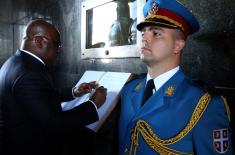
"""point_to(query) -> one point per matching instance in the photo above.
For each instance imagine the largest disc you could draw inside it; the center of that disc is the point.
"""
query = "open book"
(113, 81)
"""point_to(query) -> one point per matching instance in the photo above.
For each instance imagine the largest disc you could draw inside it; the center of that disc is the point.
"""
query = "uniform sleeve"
(212, 134)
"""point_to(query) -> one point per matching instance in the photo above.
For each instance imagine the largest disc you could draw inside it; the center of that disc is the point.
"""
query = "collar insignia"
(138, 87)
(153, 9)
(170, 91)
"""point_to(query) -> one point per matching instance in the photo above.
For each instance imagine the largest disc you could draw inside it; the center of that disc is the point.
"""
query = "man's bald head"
(42, 39)
(39, 27)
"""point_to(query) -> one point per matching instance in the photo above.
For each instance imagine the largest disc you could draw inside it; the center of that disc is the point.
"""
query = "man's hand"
(84, 88)
(99, 96)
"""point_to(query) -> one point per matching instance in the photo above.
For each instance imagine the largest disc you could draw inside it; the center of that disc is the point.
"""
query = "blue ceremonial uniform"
(164, 124)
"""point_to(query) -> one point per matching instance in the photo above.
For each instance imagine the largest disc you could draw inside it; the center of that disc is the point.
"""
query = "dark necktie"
(148, 92)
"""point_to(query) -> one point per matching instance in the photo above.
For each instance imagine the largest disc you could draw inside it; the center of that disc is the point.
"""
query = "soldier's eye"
(156, 34)
(142, 33)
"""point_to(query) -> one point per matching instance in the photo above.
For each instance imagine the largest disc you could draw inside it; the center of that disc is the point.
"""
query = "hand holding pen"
(84, 88)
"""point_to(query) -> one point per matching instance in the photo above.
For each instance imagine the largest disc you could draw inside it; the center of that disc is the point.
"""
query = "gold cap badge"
(154, 8)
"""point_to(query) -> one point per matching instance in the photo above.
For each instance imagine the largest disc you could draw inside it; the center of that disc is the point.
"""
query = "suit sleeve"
(41, 104)
(212, 134)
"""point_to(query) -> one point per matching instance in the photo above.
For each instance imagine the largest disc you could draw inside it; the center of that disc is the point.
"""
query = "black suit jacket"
(33, 122)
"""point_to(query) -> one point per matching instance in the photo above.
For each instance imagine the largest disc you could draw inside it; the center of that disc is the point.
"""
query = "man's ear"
(179, 45)
(38, 41)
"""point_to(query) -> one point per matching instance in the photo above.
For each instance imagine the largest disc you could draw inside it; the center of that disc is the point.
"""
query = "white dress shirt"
(163, 78)
(34, 56)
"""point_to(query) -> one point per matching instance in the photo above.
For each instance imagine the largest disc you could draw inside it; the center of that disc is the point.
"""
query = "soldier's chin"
(145, 60)
(143, 57)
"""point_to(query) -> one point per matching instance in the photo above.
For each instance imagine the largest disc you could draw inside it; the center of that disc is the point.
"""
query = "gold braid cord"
(160, 145)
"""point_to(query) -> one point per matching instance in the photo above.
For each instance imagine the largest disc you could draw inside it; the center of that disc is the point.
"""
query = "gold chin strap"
(161, 146)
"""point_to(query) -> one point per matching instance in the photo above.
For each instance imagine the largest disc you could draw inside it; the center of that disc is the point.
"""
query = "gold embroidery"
(138, 87)
(160, 145)
(170, 91)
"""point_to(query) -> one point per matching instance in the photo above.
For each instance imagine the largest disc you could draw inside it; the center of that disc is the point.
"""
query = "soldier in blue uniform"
(163, 112)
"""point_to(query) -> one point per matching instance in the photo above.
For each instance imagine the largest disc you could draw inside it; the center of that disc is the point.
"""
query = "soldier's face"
(158, 45)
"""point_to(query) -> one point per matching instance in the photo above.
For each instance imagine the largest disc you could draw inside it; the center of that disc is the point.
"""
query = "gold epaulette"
(160, 145)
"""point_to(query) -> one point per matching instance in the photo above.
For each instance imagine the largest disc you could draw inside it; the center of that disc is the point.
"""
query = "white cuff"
(94, 104)
(73, 92)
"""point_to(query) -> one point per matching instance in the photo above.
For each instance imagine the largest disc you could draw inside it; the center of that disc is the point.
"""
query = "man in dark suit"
(32, 120)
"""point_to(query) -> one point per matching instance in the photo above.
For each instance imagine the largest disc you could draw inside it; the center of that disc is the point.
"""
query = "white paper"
(113, 81)
(88, 76)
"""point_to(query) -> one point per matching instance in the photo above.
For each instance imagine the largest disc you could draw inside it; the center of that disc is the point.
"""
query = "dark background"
(208, 56)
